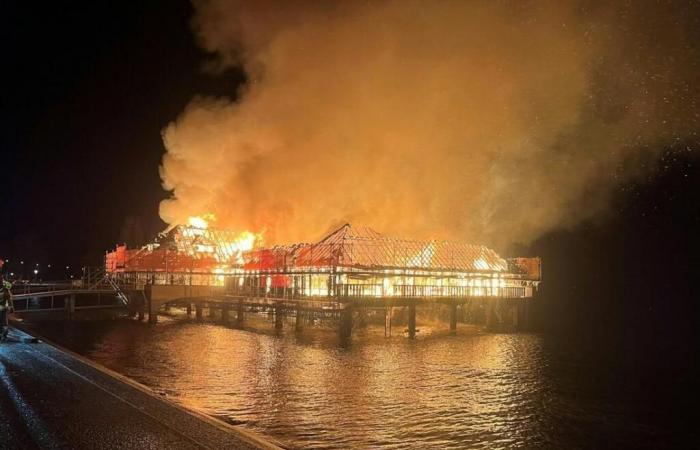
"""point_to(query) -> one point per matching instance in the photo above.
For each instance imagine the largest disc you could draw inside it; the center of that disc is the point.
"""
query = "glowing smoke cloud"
(488, 122)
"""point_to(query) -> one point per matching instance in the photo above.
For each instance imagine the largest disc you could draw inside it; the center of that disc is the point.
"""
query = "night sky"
(89, 87)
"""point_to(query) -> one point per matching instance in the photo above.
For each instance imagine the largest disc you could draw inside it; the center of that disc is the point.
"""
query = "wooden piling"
(387, 321)
(141, 306)
(152, 313)
(412, 320)
(345, 326)
(239, 314)
(224, 313)
(453, 317)
(298, 324)
(361, 318)
(490, 316)
(278, 317)
(152, 309)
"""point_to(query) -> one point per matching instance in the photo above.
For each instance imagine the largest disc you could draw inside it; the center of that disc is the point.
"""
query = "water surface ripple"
(473, 390)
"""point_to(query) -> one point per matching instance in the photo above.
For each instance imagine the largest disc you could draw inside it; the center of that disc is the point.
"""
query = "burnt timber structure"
(343, 276)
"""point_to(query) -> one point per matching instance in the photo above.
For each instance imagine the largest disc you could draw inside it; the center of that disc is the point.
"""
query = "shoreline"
(113, 385)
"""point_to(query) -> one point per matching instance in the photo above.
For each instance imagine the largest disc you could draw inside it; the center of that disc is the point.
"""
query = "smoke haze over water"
(488, 122)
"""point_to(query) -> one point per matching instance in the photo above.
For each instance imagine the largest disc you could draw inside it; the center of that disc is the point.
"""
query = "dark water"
(473, 390)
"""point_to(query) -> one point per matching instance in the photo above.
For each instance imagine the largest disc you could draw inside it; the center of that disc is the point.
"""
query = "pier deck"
(52, 399)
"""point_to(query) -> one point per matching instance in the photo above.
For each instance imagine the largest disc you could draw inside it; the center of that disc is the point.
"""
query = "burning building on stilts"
(352, 265)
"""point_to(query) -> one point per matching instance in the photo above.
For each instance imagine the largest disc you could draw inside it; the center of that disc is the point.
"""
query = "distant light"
(35, 271)
(21, 262)
(12, 274)
(67, 267)
(37, 264)
(71, 276)
(49, 265)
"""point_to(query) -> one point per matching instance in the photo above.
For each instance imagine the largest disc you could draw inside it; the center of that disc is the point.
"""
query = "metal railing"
(47, 296)
(326, 285)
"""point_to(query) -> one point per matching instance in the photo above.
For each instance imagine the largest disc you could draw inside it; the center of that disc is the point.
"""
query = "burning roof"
(352, 246)
(196, 248)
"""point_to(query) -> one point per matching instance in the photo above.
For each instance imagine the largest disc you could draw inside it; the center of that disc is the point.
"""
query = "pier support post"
(345, 328)
(70, 306)
(525, 315)
(152, 313)
(130, 309)
(453, 317)
(224, 313)
(189, 310)
(496, 315)
(387, 321)
(362, 318)
(152, 309)
(278, 317)
(198, 311)
(412, 320)
(141, 306)
(298, 323)
(490, 319)
(239, 316)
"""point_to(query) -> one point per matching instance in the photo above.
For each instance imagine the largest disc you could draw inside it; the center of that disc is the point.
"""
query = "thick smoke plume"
(489, 122)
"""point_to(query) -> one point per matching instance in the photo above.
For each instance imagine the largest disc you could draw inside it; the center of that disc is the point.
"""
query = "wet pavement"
(52, 399)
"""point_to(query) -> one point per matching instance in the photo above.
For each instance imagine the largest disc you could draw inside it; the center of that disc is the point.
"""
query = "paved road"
(50, 399)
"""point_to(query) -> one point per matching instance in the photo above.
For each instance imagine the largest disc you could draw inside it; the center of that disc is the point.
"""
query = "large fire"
(226, 248)
(192, 247)
(200, 222)
(355, 261)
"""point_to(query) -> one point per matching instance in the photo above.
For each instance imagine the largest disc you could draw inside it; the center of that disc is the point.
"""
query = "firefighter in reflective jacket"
(6, 307)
